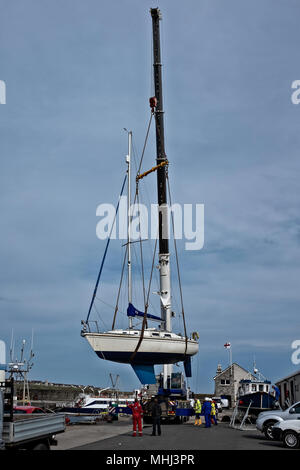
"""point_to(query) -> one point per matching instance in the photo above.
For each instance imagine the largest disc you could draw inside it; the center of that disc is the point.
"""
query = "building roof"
(227, 368)
(289, 376)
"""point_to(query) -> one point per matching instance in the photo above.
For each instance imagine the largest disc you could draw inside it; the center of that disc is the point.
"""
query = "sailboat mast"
(128, 159)
(164, 262)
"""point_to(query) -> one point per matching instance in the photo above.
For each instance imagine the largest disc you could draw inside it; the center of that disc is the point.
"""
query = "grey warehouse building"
(289, 389)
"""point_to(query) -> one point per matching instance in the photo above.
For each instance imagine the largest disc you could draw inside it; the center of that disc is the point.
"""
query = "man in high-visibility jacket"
(197, 408)
(214, 412)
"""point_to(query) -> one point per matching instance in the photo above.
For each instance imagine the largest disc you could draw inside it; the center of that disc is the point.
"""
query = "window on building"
(292, 390)
(253, 388)
(225, 382)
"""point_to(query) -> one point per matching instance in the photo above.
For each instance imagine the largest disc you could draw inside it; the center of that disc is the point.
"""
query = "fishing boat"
(145, 346)
(256, 393)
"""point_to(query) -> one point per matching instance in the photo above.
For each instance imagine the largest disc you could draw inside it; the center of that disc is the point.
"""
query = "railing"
(87, 327)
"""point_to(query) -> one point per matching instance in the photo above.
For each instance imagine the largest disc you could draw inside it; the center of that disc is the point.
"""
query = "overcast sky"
(77, 73)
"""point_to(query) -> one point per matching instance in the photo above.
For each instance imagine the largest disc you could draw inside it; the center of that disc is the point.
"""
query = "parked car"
(224, 402)
(27, 410)
(266, 420)
(288, 432)
(218, 402)
(35, 410)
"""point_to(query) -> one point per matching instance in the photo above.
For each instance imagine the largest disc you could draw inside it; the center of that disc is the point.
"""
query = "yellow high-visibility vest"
(198, 406)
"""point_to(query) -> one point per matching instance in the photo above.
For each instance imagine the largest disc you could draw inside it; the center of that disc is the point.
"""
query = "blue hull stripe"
(149, 358)
(259, 400)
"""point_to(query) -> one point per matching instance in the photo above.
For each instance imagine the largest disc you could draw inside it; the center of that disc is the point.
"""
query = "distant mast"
(164, 256)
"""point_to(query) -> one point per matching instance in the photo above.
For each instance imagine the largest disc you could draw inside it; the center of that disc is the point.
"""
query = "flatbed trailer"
(32, 433)
(28, 432)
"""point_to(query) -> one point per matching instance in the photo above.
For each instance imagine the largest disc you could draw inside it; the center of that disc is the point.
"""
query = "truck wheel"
(41, 446)
(268, 430)
(291, 439)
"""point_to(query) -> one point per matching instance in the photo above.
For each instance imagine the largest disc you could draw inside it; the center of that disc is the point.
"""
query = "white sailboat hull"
(120, 346)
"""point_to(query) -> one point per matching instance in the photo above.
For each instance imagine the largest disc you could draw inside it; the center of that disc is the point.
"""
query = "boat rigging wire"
(109, 305)
(147, 196)
(145, 143)
(99, 316)
(119, 291)
(136, 200)
(141, 250)
(144, 324)
(105, 252)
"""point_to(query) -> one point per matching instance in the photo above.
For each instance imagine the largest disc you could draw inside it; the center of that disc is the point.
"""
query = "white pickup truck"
(28, 432)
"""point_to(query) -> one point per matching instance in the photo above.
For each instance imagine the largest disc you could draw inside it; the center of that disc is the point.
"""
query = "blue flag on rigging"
(133, 312)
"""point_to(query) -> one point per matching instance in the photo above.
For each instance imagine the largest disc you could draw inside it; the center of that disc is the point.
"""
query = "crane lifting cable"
(177, 265)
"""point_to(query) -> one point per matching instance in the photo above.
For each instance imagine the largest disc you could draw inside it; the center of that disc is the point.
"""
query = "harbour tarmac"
(117, 436)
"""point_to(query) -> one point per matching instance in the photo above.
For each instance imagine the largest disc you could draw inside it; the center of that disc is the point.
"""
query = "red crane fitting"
(153, 103)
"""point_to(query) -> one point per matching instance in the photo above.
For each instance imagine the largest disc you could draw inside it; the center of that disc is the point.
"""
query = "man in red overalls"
(137, 413)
